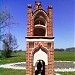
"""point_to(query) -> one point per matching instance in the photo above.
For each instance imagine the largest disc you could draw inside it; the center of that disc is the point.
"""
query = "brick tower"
(39, 41)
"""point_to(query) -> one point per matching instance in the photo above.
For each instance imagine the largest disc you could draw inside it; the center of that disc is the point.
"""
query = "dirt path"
(60, 66)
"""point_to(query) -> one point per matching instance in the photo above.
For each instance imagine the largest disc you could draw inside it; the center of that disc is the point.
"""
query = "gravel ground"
(60, 66)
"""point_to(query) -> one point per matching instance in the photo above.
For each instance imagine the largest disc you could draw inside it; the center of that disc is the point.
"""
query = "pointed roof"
(37, 5)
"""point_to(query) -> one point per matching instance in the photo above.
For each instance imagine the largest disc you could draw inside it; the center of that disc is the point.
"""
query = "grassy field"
(67, 73)
(20, 57)
(15, 57)
(11, 72)
(64, 56)
(23, 72)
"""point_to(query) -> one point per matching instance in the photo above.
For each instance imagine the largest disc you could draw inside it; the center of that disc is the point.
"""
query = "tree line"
(71, 49)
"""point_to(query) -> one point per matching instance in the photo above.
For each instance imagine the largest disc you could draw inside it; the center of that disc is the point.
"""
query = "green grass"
(15, 57)
(67, 73)
(20, 57)
(64, 56)
(4, 71)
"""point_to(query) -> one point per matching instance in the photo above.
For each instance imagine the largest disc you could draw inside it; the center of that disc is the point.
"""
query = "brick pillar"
(51, 60)
(27, 59)
(50, 25)
(31, 64)
(30, 21)
(46, 69)
(33, 70)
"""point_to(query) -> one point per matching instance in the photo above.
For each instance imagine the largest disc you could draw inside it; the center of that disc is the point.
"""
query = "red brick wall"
(29, 58)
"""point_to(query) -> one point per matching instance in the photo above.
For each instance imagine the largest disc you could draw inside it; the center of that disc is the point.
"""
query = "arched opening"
(40, 67)
(40, 24)
(40, 60)
(40, 54)
(39, 21)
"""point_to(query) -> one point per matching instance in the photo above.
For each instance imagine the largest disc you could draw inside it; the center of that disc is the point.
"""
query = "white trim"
(47, 40)
(39, 25)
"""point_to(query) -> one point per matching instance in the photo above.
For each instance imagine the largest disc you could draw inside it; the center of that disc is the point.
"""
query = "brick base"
(30, 69)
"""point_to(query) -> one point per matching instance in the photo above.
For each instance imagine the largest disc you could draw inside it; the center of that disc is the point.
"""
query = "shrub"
(6, 53)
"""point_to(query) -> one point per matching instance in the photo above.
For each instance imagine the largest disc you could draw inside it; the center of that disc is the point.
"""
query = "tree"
(5, 20)
(9, 44)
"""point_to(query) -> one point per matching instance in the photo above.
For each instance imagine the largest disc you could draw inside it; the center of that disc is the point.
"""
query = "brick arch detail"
(38, 47)
(42, 11)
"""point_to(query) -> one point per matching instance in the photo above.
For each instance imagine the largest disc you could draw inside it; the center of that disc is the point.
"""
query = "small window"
(31, 44)
(49, 45)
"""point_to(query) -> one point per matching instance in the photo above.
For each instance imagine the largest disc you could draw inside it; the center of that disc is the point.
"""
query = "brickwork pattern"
(49, 69)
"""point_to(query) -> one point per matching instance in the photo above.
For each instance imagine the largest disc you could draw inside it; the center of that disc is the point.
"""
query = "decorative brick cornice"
(40, 10)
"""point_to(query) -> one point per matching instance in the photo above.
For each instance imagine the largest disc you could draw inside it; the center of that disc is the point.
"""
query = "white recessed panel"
(40, 55)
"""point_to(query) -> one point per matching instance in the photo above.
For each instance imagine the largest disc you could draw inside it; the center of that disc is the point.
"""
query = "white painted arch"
(40, 55)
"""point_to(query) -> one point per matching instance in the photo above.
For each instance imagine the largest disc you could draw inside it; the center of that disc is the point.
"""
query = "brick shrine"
(39, 41)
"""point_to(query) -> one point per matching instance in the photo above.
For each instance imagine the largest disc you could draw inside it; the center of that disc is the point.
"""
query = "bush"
(9, 44)
(20, 50)
(15, 51)
(6, 53)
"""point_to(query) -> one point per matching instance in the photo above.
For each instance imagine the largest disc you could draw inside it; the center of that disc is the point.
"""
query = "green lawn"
(20, 57)
(67, 73)
(16, 57)
(4, 71)
(64, 56)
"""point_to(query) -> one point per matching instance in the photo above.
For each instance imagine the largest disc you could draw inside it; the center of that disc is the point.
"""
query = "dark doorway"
(40, 68)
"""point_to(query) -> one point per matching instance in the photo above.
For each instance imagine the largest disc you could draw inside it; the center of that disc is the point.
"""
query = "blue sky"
(63, 20)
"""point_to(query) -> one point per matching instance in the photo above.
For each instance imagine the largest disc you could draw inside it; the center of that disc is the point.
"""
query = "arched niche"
(39, 21)
(41, 14)
(39, 24)
(40, 55)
